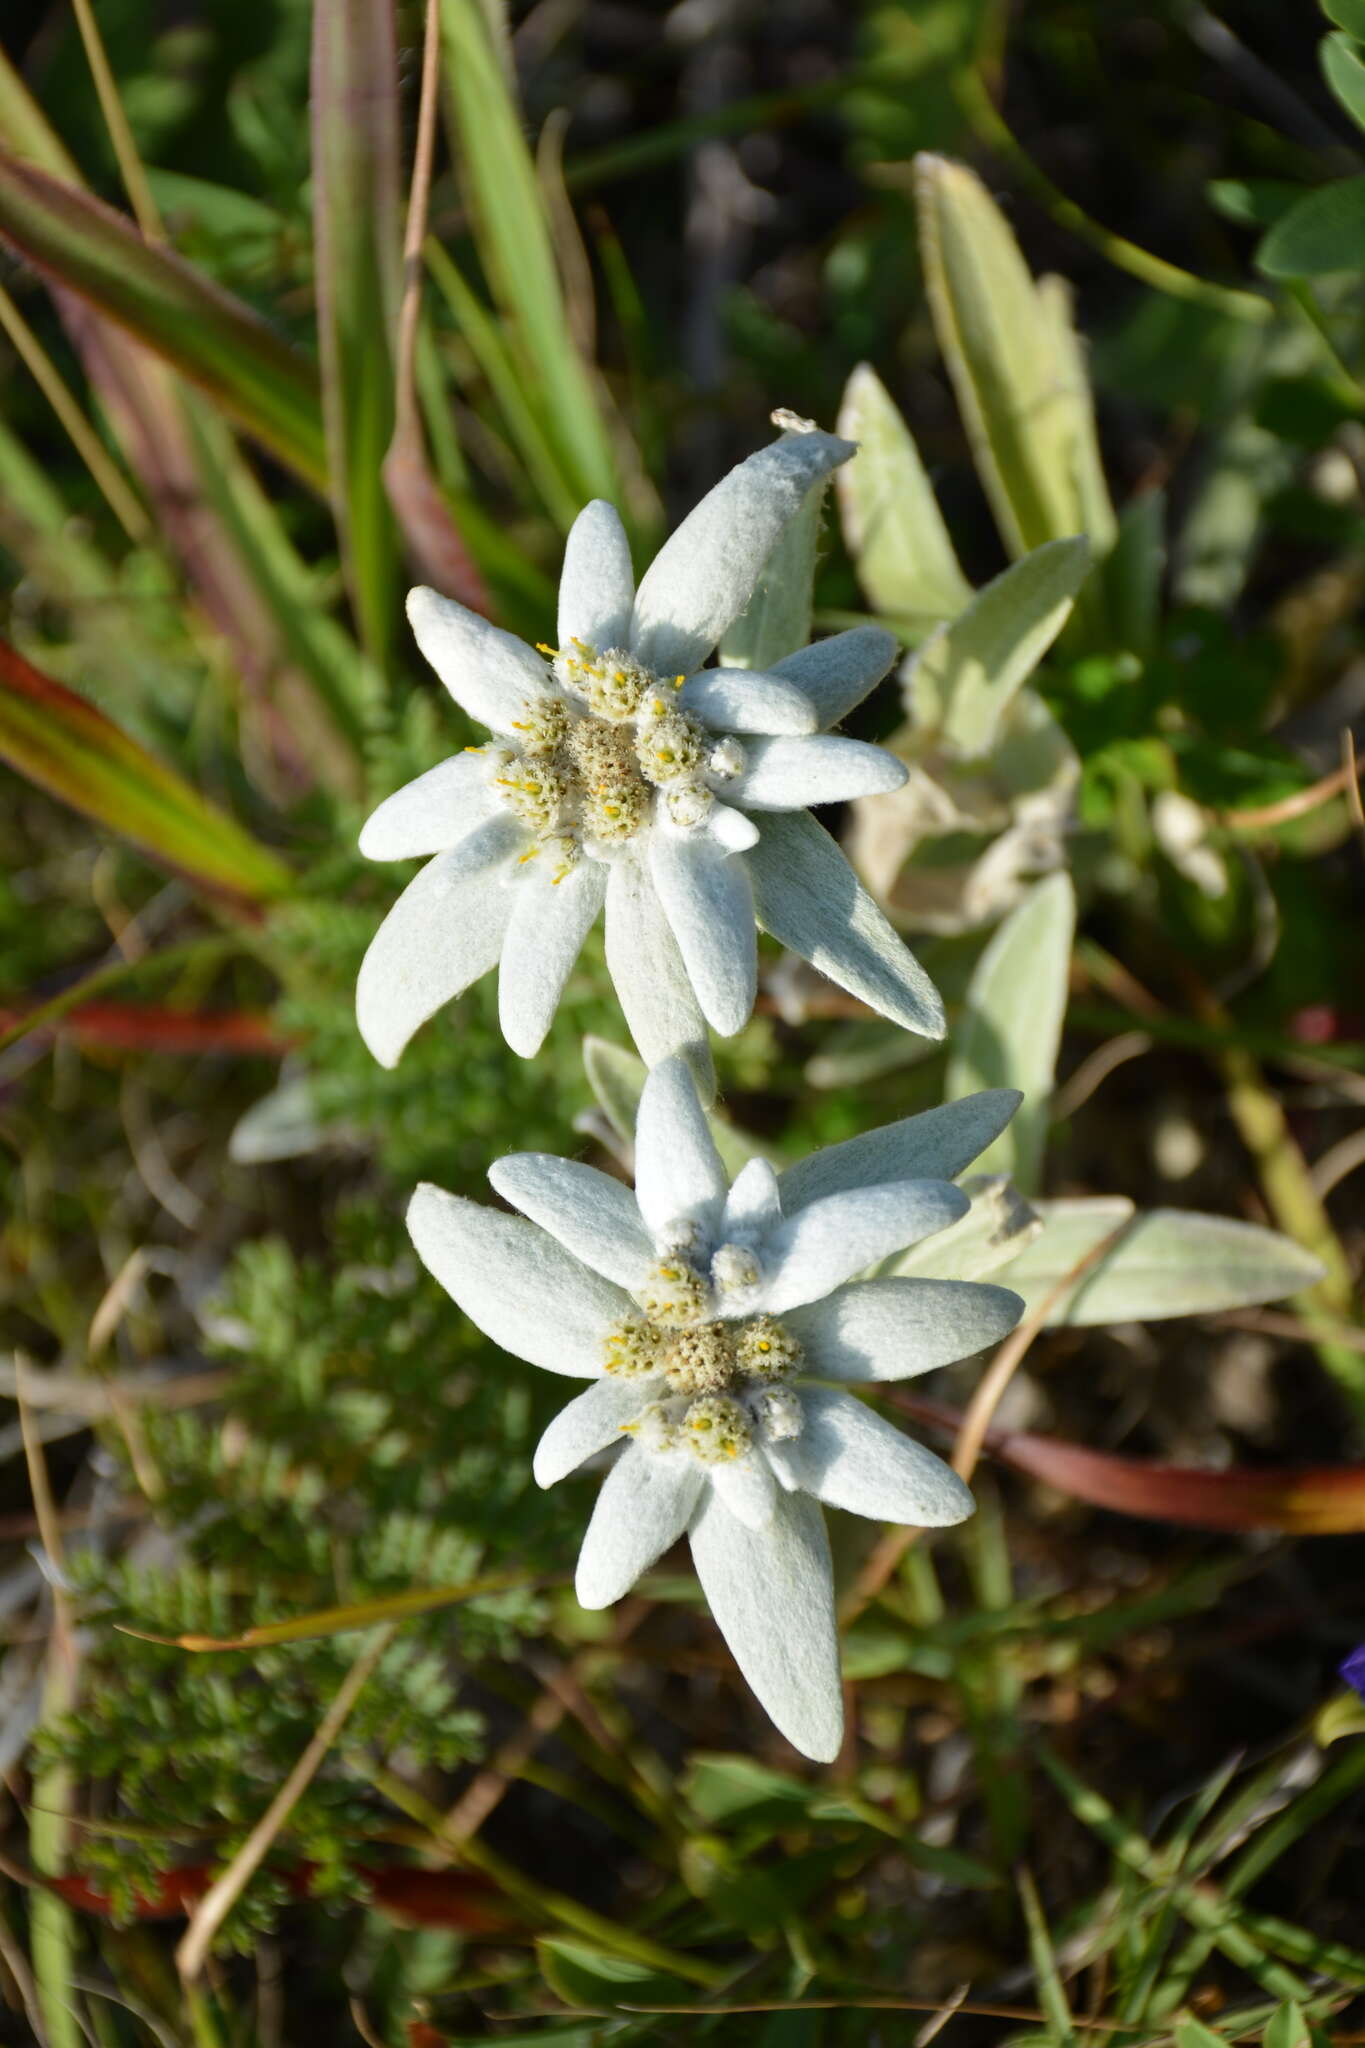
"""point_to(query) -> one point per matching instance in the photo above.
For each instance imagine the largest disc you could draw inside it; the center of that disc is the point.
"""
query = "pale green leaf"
(999, 343)
(1097, 519)
(982, 1243)
(964, 679)
(1011, 1023)
(892, 526)
(1164, 1262)
(1348, 14)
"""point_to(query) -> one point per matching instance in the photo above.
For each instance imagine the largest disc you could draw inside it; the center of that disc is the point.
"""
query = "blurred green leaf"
(1348, 14)
(1192, 2033)
(584, 1976)
(965, 678)
(1344, 71)
(1323, 234)
(1253, 202)
(200, 329)
(1164, 1262)
(1080, 435)
(61, 742)
(358, 245)
(1132, 572)
(893, 528)
(1011, 1023)
(1288, 2029)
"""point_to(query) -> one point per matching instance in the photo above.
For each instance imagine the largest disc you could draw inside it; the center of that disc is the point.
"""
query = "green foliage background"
(1105, 1777)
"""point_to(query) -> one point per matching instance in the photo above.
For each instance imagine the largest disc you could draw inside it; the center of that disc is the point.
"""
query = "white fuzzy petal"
(826, 1243)
(489, 673)
(893, 1329)
(678, 1174)
(752, 1207)
(646, 968)
(786, 775)
(545, 932)
(809, 898)
(444, 931)
(433, 813)
(771, 1591)
(709, 905)
(836, 674)
(742, 700)
(938, 1144)
(645, 1504)
(590, 1422)
(705, 573)
(590, 1214)
(748, 1489)
(596, 585)
(849, 1458)
(521, 1288)
(731, 829)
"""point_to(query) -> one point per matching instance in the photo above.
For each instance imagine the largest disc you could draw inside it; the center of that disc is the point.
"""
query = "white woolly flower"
(719, 1325)
(624, 773)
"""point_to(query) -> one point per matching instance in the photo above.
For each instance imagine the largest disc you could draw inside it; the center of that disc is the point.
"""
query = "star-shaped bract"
(719, 1325)
(623, 773)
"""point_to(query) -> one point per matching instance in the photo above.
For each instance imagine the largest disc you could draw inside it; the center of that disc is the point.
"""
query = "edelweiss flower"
(624, 772)
(708, 1317)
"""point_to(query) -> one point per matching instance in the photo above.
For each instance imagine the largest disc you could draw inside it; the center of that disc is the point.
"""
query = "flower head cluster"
(718, 1325)
(624, 773)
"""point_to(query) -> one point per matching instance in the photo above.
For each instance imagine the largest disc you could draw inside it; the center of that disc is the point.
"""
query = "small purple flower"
(1353, 1670)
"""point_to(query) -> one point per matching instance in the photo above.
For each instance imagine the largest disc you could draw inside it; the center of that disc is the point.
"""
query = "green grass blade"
(549, 474)
(1051, 1991)
(358, 241)
(323, 649)
(516, 250)
(61, 742)
(212, 337)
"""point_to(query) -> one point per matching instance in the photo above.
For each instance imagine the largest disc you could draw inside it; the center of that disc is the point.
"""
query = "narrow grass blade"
(1201, 1905)
(358, 243)
(335, 1621)
(548, 473)
(61, 742)
(1051, 1991)
(202, 330)
(516, 250)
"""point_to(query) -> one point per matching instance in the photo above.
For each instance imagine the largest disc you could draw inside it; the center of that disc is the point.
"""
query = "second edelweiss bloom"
(717, 1324)
(624, 773)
